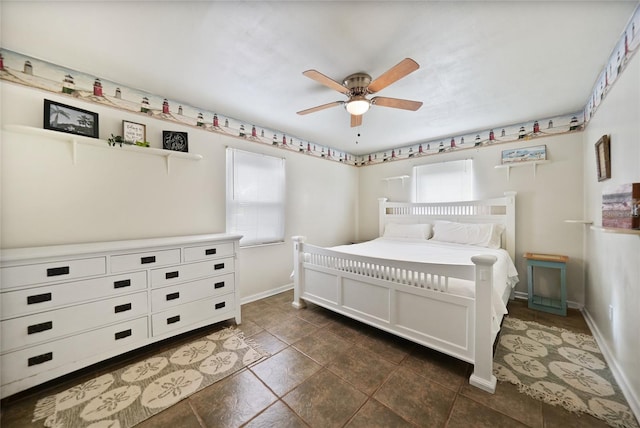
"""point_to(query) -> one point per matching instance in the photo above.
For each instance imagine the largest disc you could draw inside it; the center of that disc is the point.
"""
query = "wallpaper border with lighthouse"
(28, 71)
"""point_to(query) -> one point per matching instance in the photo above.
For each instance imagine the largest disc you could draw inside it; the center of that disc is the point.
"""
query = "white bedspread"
(505, 275)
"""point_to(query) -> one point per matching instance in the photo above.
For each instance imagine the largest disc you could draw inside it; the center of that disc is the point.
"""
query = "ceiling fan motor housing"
(357, 83)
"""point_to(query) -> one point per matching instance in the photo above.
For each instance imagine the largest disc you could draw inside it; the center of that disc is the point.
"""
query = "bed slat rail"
(442, 210)
(431, 276)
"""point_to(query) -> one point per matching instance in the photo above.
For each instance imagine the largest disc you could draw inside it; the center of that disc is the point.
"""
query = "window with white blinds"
(255, 197)
(444, 181)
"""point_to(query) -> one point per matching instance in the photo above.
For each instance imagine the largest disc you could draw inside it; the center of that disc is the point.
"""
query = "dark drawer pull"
(122, 334)
(218, 284)
(147, 260)
(220, 305)
(173, 319)
(170, 275)
(39, 359)
(38, 298)
(122, 284)
(64, 270)
(122, 308)
(219, 266)
(173, 296)
(209, 252)
(37, 328)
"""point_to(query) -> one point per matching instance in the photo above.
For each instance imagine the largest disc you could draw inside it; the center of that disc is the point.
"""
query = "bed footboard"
(407, 299)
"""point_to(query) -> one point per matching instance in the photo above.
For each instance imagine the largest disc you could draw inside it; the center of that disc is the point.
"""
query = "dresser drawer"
(163, 298)
(205, 252)
(41, 273)
(32, 329)
(144, 260)
(190, 313)
(176, 274)
(40, 358)
(38, 299)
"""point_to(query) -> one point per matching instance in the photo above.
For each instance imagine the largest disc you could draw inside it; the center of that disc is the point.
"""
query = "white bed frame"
(410, 299)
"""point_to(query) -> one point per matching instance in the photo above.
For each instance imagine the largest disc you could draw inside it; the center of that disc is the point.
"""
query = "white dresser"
(65, 307)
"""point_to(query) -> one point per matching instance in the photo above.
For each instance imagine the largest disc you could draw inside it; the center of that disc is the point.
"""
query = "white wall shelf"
(398, 177)
(617, 230)
(533, 164)
(606, 229)
(74, 140)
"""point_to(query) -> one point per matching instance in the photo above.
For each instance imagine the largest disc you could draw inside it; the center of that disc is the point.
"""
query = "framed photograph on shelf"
(72, 120)
(603, 158)
(174, 140)
(524, 154)
(132, 132)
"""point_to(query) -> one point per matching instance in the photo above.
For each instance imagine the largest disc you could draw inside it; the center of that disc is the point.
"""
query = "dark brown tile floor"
(328, 371)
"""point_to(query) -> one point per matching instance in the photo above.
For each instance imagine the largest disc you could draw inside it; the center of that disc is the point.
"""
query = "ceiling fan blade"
(396, 103)
(394, 74)
(327, 81)
(356, 120)
(322, 107)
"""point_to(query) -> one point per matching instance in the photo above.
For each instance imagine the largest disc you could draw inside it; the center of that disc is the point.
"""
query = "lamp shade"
(358, 105)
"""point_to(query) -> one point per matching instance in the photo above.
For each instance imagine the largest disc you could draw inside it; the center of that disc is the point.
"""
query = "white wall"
(542, 203)
(613, 270)
(110, 194)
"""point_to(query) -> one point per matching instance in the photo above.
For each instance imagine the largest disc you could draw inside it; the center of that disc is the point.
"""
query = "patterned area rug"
(560, 368)
(132, 394)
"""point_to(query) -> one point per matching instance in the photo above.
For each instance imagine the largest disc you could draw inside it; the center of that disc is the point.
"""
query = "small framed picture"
(72, 120)
(174, 140)
(132, 132)
(524, 154)
(603, 158)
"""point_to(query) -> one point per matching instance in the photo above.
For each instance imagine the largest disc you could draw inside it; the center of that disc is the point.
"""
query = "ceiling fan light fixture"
(356, 86)
(358, 105)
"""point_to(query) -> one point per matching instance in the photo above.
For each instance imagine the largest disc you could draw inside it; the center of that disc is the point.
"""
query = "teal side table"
(541, 303)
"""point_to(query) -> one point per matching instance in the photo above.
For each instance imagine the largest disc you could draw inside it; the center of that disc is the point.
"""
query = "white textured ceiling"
(482, 64)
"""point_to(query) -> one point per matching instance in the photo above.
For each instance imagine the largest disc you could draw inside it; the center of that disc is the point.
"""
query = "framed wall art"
(524, 154)
(133, 132)
(174, 140)
(69, 119)
(603, 158)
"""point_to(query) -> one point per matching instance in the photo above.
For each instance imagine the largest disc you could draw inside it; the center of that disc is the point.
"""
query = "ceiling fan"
(357, 86)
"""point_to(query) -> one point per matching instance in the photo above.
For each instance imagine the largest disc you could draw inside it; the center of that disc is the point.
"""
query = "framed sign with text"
(132, 132)
(174, 140)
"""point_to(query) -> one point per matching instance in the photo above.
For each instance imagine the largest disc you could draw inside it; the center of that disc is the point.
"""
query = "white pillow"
(479, 234)
(415, 231)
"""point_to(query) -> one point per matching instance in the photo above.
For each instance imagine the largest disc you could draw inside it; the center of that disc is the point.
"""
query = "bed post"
(482, 376)
(298, 279)
(382, 212)
(511, 224)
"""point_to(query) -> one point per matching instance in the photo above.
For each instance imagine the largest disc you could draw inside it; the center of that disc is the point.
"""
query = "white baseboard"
(618, 374)
(266, 294)
(523, 295)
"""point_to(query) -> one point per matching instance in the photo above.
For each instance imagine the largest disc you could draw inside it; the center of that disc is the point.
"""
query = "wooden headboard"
(498, 210)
